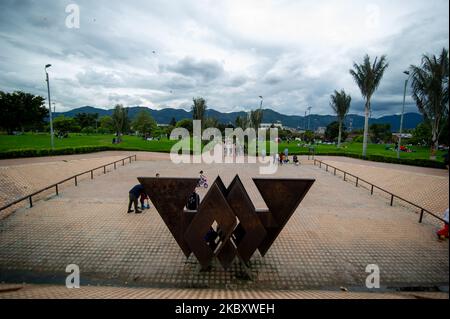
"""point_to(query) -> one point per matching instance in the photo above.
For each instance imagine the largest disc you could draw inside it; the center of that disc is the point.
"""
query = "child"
(144, 197)
(443, 233)
(203, 181)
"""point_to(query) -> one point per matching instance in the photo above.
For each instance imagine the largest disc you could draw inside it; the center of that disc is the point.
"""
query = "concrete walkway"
(336, 232)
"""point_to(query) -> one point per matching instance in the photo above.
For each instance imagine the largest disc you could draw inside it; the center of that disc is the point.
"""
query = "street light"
(260, 106)
(49, 106)
(309, 116)
(401, 118)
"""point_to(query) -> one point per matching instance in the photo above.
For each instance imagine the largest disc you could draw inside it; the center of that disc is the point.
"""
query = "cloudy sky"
(162, 53)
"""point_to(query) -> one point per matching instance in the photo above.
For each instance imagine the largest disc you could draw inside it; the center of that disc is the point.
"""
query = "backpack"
(193, 201)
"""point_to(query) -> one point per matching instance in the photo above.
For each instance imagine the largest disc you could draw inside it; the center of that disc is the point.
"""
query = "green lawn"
(42, 142)
(418, 152)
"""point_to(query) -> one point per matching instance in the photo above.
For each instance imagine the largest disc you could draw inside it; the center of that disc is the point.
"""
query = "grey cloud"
(205, 69)
(110, 58)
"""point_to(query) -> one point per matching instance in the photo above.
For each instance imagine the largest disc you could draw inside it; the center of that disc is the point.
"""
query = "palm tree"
(256, 118)
(199, 109)
(340, 103)
(430, 91)
(242, 122)
(368, 76)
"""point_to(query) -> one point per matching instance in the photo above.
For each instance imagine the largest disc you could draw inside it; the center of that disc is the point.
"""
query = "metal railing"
(358, 180)
(29, 197)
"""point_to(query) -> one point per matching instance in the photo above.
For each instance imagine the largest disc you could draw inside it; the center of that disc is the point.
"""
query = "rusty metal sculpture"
(226, 223)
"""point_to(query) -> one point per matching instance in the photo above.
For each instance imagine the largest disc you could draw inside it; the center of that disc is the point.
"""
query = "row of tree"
(22, 112)
(429, 83)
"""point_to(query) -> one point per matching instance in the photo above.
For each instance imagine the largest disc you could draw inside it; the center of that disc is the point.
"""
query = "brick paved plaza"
(334, 234)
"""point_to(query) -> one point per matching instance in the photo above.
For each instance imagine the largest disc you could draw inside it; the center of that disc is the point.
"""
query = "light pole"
(309, 116)
(49, 106)
(401, 118)
(304, 121)
(260, 106)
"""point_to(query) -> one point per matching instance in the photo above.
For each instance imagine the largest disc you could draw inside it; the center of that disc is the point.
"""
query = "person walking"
(133, 196)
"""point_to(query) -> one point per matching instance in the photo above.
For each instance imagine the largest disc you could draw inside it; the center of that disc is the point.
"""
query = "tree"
(308, 136)
(340, 103)
(380, 133)
(173, 122)
(256, 117)
(120, 119)
(106, 124)
(144, 123)
(243, 122)
(422, 134)
(21, 111)
(211, 122)
(368, 77)
(185, 123)
(199, 109)
(335, 131)
(430, 92)
(64, 125)
(86, 119)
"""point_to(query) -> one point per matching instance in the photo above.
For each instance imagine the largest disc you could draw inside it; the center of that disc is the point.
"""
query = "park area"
(27, 144)
(323, 251)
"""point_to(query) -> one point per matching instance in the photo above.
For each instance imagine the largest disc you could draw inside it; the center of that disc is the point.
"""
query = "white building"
(278, 124)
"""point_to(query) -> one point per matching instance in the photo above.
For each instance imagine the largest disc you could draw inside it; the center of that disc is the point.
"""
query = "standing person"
(443, 233)
(263, 154)
(133, 195)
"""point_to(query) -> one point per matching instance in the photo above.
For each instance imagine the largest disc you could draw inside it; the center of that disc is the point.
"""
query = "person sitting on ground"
(134, 194)
(443, 233)
(295, 160)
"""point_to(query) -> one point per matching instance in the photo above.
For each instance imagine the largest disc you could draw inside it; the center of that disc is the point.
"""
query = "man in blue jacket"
(134, 194)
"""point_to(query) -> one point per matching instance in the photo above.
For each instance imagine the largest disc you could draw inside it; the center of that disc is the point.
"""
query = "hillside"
(164, 116)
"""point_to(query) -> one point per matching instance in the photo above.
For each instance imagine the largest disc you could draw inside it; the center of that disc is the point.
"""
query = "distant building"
(320, 130)
(162, 125)
(278, 124)
(404, 135)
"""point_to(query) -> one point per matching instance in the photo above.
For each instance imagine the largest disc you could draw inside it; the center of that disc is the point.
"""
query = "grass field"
(42, 141)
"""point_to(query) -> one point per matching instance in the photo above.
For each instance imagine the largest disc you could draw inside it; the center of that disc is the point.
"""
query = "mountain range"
(353, 121)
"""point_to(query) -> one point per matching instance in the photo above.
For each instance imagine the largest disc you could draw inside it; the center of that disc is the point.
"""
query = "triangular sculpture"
(226, 223)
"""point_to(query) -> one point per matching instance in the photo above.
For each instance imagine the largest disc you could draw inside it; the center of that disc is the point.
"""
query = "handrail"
(373, 186)
(29, 197)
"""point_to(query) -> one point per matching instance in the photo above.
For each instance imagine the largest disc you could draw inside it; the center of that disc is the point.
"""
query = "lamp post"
(401, 118)
(309, 116)
(49, 106)
(260, 105)
(304, 121)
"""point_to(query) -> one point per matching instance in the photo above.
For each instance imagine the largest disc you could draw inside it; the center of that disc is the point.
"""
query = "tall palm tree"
(430, 91)
(199, 110)
(256, 117)
(368, 76)
(340, 103)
